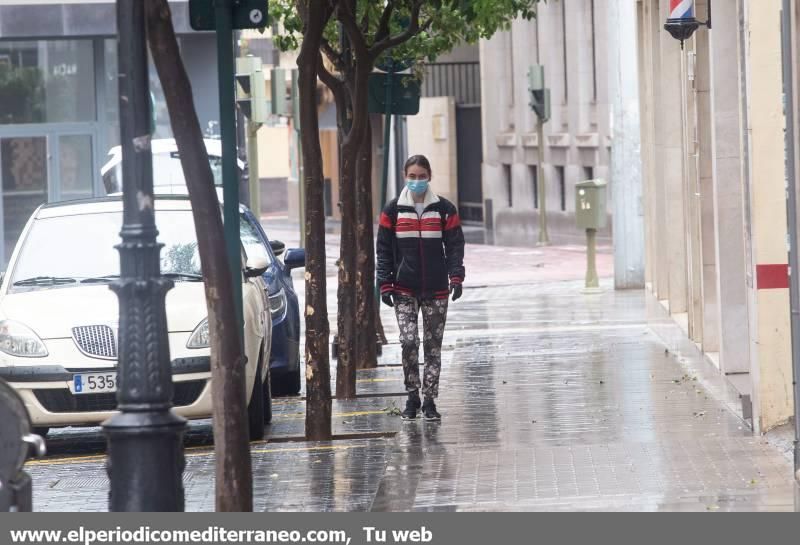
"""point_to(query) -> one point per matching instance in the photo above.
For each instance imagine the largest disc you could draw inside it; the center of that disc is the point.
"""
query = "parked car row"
(59, 319)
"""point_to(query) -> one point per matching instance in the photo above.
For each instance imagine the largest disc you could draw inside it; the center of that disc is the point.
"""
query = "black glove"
(387, 299)
(455, 289)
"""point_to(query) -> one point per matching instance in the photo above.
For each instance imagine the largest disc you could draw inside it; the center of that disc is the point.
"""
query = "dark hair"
(419, 160)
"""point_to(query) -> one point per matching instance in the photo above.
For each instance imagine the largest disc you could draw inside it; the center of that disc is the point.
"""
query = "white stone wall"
(576, 138)
(715, 195)
(432, 133)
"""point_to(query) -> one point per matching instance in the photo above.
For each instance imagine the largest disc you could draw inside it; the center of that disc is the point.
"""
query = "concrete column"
(691, 190)
(771, 339)
(705, 195)
(669, 165)
(655, 274)
(728, 191)
(626, 171)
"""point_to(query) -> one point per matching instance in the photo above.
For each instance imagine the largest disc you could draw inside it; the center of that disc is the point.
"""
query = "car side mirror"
(295, 258)
(256, 266)
(277, 246)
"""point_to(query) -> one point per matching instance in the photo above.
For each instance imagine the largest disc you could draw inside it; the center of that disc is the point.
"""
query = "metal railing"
(461, 80)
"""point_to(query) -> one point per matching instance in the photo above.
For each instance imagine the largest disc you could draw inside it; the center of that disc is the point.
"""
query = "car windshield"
(253, 247)
(167, 172)
(66, 250)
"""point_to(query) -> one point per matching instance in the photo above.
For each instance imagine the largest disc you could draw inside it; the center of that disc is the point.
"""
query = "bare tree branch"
(337, 86)
(333, 83)
(346, 14)
(412, 30)
(383, 26)
(302, 12)
(365, 19)
(334, 56)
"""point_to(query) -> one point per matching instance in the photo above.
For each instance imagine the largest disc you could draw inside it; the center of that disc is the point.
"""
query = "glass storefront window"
(112, 92)
(163, 129)
(24, 175)
(75, 166)
(47, 82)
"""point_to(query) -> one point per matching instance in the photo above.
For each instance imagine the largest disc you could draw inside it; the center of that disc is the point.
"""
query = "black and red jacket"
(420, 255)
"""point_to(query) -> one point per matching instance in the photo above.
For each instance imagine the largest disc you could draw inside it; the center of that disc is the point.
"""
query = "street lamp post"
(540, 104)
(145, 439)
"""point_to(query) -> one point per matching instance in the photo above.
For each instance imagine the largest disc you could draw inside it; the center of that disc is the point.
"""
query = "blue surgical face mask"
(417, 186)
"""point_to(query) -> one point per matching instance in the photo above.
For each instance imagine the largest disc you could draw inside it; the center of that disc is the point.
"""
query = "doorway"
(469, 153)
(41, 166)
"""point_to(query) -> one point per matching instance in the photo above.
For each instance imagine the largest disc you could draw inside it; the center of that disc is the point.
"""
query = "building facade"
(59, 102)
(715, 192)
(569, 37)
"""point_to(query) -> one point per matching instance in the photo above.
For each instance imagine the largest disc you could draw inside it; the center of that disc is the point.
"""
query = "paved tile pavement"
(552, 399)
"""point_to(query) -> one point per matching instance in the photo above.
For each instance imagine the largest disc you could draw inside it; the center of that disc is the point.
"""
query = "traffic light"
(279, 91)
(540, 95)
(295, 96)
(251, 89)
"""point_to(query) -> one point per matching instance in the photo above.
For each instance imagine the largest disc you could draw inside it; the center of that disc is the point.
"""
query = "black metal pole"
(145, 440)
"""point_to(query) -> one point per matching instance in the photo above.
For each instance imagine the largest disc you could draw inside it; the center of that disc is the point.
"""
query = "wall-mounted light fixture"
(682, 23)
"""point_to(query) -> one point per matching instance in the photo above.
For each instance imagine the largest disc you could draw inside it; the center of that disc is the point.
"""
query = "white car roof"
(105, 205)
(175, 190)
(175, 198)
(166, 145)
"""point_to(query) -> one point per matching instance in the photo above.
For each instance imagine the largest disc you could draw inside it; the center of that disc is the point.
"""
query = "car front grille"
(57, 400)
(97, 341)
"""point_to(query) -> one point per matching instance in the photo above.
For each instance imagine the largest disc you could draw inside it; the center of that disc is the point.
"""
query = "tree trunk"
(234, 479)
(318, 375)
(346, 295)
(366, 340)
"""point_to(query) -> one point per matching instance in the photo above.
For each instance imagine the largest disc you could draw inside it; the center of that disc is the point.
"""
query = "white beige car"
(59, 317)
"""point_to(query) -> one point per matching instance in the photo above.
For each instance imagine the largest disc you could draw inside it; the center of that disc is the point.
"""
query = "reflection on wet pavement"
(551, 400)
(556, 400)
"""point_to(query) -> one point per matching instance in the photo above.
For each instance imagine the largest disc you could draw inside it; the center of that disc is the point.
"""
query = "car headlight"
(20, 340)
(277, 304)
(200, 338)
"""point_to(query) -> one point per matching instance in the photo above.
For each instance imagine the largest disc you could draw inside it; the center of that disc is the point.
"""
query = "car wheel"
(293, 383)
(41, 431)
(255, 409)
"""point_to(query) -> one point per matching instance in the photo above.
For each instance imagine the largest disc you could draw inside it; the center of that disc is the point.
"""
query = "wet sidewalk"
(552, 399)
(557, 400)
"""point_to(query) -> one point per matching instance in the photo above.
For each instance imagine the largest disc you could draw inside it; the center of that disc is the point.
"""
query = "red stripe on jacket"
(386, 221)
(452, 222)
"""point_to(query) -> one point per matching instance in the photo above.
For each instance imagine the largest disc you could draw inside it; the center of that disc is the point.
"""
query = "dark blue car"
(284, 361)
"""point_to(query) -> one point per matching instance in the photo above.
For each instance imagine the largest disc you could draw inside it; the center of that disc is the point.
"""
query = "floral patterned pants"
(434, 316)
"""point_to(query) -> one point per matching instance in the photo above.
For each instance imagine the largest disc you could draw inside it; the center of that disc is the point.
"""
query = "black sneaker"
(412, 406)
(429, 410)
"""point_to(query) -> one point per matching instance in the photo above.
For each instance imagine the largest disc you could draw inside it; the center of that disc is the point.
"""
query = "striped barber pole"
(681, 9)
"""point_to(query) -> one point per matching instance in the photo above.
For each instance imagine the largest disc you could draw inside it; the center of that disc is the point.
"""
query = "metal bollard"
(590, 214)
(17, 445)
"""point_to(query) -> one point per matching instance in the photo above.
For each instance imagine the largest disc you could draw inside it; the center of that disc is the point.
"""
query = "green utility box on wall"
(590, 204)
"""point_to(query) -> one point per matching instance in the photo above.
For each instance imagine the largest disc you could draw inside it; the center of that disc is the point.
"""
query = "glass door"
(25, 175)
(40, 168)
(76, 168)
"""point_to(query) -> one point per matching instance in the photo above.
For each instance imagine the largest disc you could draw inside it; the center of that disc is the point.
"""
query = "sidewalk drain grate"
(338, 437)
(358, 396)
(82, 483)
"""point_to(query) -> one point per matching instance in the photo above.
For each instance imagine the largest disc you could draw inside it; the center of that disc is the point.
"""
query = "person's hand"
(387, 299)
(455, 289)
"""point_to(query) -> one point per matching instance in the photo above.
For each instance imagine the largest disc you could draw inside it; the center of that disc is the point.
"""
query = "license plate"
(93, 383)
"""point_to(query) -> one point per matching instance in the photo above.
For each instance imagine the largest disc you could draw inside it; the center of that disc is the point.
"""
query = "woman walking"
(420, 263)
